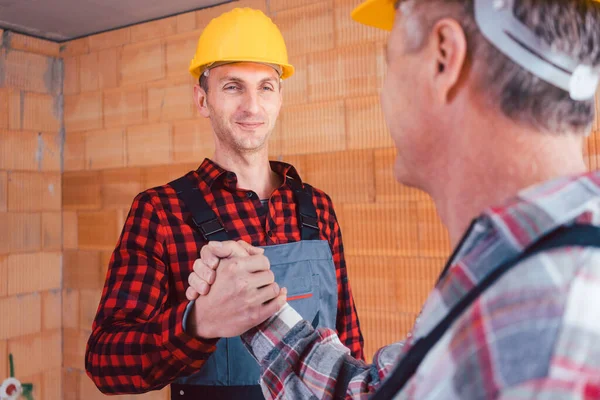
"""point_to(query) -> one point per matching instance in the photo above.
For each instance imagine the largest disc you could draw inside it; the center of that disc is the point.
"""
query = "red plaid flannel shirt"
(137, 342)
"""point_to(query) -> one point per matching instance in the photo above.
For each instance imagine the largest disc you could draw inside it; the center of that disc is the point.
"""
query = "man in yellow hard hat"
(488, 102)
(146, 333)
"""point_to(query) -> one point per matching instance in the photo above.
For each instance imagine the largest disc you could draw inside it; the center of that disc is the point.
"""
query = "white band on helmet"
(498, 24)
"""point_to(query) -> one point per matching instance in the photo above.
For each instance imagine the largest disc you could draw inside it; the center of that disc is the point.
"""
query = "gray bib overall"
(305, 268)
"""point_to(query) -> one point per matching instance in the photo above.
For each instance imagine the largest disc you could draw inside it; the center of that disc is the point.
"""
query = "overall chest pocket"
(303, 288)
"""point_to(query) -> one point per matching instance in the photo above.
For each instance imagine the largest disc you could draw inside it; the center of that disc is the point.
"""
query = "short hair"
(570, 26)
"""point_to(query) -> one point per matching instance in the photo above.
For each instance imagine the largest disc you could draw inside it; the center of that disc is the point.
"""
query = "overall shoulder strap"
(307, 213)
(575, 235)
(203, 216)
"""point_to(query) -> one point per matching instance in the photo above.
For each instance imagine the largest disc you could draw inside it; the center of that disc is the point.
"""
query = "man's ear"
(449, 47)
(200, 98)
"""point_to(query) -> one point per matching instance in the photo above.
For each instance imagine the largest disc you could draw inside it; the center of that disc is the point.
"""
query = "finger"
(267, 293)
(208, 257)
(191, 294)
(260, 279)
(204, 272)
(198, 284)
(251, 264)
(252, 250)
(270, 308)
(227, 249)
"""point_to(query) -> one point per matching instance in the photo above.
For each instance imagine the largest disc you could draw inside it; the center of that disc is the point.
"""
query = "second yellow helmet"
(241, 35)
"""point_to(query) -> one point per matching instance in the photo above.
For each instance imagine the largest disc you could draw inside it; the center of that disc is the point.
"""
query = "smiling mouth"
(250, 125)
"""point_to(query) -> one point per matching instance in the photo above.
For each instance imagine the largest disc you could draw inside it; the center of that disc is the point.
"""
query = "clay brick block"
(4, 367)
(160, 175)
(75, 47)
(88, 72)
(149, 145)
(348, 177)
(69, 229)
(51, 231)
(49, 155)
(97, 230)
(110, 39)
(366, 124)
(192, 140)
(52, 384)
(15, 109)
(347, 31)
(83, 112)
(74, 151)
(386, 187)
(40, 112)
(105, 149)
(71, 78)
(3, 276)
(71, 382)
(154, 29)
(14, 308)
(83, 270)
(88, 305)
(373, 282)
(381, 328)
(30, 44)
(307, 29)
(70, 308)
(33, 191)
(34, 354)
(317, 127)
(120, 186)
(4, 103)
(34, 272)
(381, 63)
(21, 233)
(123, 107)
(180, 50)
(342, 73)
(3, 191)
(186, 22)
(52, 310)
(142, 62)
(295, 88)
(81, 191)
(167, 102)
(280, 5)
(381, 229)
(98, 70)
(75, 342)
(31, 72)
(108, 72)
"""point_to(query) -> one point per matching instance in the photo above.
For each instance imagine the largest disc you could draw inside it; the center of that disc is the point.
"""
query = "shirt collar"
(534, 212)
(211, 172)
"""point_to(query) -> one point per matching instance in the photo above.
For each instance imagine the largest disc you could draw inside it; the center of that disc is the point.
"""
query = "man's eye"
(231, 87)
(269, 88)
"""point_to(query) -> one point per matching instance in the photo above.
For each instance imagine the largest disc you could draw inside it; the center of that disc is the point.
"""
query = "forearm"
(125, 356)
(298, 361)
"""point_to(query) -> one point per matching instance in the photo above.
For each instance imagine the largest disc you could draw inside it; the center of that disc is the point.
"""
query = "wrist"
(195, 324)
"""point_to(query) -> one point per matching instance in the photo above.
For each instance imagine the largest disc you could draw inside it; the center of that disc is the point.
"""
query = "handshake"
(234, 290)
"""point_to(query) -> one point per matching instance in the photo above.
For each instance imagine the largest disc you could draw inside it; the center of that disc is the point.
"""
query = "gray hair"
(570, 26)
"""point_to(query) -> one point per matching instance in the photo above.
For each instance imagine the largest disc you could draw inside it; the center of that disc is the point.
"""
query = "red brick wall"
(30, 212)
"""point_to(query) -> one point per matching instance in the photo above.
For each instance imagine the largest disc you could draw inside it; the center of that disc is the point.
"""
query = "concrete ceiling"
(61, 20)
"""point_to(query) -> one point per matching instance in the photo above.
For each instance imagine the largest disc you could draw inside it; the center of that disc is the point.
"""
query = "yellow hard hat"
(376, 13)
(241, 35)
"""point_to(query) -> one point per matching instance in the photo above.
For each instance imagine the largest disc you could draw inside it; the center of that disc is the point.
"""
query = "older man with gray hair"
(488, 103)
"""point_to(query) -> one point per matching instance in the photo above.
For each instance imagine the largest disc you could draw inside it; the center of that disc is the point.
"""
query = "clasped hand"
(233, 288)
